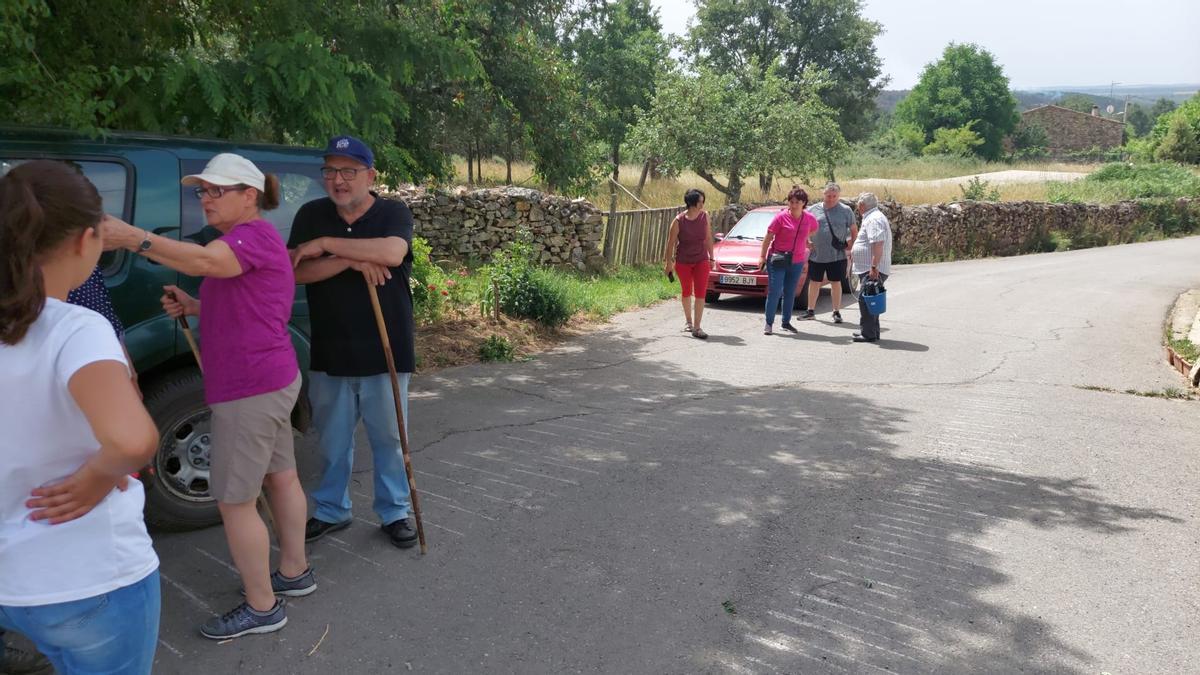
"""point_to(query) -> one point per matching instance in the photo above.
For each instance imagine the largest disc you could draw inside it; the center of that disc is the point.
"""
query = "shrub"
(496, 348)
(979, 190)
(523, 290)
(428, 283)
(1120, 181)
(1029, 141)
(960, 141)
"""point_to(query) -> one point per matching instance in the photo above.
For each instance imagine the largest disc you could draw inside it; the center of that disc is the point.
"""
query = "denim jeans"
(115, 632)
(338, 404)
(781, 281)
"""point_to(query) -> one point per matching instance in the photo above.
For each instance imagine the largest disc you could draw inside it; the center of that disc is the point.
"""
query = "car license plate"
(737, 280)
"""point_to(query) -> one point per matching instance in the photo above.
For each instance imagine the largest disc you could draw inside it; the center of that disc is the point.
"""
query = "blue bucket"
(876, 304)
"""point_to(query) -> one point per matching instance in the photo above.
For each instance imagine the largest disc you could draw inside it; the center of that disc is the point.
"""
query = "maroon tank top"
(691, 248)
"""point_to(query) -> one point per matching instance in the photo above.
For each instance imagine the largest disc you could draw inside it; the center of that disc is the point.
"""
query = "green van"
(138, 176)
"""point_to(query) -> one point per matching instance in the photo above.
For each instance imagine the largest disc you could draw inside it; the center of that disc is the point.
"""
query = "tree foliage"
(1077, 102)
(965, 86)
(619, 51)
(750, 36)
(725, 126)
(1176, 135)
(1139, 120)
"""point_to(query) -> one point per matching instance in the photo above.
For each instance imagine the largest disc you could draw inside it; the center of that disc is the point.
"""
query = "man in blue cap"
(336, 242)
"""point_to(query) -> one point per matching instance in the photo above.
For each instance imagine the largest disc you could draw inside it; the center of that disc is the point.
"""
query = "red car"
(736, 254)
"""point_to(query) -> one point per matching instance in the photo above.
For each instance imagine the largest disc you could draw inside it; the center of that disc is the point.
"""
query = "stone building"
(1072, 131)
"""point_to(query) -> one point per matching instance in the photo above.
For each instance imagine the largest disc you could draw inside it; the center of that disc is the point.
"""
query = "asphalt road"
(951, 499)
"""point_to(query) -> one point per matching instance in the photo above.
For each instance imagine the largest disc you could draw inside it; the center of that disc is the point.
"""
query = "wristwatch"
(145, 245)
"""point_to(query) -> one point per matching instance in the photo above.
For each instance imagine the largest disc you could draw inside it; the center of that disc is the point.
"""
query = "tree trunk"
(765, 181)
(508, 155)
(616, 160)
(645, 172)
(730, 198)
(470, 166)
(734, 195)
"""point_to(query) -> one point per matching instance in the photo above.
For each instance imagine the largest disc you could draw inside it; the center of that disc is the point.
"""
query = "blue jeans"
(338, 404)
(116, 632)
(781, 281)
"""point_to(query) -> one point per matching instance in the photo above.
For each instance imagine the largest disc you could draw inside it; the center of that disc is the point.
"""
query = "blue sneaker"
(242, 620)
(294, 587)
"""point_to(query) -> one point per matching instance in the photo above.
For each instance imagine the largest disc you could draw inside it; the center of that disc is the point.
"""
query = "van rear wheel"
(177, 488)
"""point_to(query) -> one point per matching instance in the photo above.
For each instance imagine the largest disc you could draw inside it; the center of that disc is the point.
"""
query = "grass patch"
(1121, 181)
(603, 295)
(1185, 349)
(1171, 393)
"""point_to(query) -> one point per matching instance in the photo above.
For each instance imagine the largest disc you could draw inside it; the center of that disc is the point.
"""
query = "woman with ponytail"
(78, 573)
(251, 379)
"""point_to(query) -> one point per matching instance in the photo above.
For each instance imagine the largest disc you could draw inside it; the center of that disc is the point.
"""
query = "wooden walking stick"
(187, 333)
(391, 364)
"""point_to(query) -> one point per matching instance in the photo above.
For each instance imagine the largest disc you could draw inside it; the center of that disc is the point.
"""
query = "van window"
(112, 182)
(298, 183)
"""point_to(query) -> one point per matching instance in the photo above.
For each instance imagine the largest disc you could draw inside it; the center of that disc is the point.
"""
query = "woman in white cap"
(251, 379)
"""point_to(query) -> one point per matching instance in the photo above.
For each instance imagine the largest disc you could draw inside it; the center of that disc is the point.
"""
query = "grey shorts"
(252, 437)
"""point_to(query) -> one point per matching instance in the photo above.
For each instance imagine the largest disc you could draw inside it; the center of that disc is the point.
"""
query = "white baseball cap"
(228, 169)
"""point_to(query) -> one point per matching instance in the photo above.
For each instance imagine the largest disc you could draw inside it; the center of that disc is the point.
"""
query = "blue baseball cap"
(349, 146)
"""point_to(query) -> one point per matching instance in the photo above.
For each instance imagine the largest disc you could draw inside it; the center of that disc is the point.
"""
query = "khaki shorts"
(252, 437)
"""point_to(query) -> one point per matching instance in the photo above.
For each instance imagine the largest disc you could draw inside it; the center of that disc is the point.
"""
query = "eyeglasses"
(327, 172)
(218, 191)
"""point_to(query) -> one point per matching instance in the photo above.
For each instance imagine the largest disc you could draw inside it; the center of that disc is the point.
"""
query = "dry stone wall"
(467, 224)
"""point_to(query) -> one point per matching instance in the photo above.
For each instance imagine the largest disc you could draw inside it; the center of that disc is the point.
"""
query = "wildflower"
(445, 292)
(433, 287)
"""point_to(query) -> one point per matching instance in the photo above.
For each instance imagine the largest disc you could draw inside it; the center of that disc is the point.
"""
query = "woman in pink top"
(788, 233)
(689, 252)
(251, 379)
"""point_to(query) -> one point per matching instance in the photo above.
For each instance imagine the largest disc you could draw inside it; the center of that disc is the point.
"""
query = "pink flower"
(432, 287)
(451, 283)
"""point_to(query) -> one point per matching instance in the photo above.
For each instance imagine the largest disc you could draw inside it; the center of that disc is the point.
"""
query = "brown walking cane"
(187, 333)
(391, 364)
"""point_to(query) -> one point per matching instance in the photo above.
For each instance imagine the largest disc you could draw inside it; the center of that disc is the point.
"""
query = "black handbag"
(783, 259)
(838, 244)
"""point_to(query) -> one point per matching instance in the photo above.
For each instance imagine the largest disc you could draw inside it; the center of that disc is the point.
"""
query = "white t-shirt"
(875, 228)
(44, 437)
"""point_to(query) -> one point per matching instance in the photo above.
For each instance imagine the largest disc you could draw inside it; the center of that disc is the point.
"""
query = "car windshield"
(753, 225)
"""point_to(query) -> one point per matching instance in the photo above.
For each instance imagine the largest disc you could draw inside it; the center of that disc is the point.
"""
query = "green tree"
(1176, 135)
(619, 51)
(718, 125)
(1077, 102)
(1139, 120)
(966, 85)
(744, 36)
(1161, 107)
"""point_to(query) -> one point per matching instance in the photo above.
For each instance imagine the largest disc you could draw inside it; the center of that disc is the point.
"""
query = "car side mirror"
(719, 236)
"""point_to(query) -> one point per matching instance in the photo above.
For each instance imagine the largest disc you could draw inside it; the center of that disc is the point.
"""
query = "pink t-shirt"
(784, 226)
(246, 348)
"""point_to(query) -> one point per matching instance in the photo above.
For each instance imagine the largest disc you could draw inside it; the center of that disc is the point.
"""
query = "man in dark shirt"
(339, 245)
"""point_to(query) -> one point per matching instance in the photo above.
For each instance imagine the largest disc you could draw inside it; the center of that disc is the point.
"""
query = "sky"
(1039, 43)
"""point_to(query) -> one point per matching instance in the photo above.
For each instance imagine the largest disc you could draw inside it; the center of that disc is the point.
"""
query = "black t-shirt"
(345, 337)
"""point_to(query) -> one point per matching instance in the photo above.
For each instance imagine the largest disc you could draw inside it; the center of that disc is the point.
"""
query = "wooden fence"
(637, 237)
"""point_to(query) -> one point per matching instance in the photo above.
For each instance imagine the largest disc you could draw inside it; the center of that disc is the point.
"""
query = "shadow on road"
(601, 509)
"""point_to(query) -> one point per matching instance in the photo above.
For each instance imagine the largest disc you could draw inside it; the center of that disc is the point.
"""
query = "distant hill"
(1145, 94)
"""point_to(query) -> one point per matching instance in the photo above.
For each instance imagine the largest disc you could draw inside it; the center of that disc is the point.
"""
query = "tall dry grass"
(860, 174)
